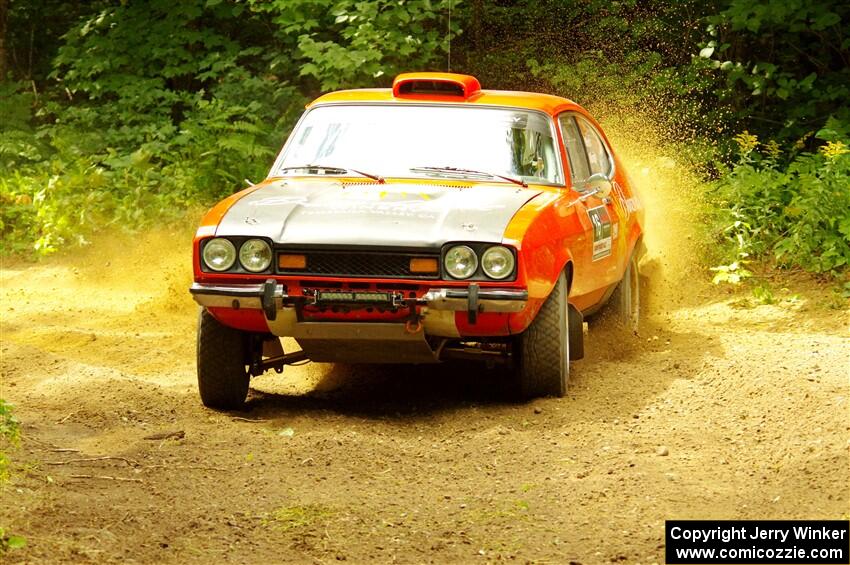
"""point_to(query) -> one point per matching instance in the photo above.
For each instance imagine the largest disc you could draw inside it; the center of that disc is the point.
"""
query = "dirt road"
(721, 408)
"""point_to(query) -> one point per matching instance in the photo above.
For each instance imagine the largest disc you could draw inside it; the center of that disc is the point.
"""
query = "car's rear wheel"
(542, 352)
(222, 372)
(625, 301)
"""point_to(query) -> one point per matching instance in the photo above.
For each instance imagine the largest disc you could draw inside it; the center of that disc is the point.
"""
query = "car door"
(601, 217)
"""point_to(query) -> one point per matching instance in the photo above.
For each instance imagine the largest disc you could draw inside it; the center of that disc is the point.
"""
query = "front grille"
(359, 264)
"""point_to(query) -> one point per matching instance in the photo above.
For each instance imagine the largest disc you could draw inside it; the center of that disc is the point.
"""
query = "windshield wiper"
(338, 170)
(467, 172)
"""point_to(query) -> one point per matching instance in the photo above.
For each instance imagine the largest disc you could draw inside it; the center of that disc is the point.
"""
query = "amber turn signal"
(292, 261)
(423, 265)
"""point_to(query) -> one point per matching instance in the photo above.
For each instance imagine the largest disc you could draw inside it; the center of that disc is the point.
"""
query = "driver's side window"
(597, 154)
(585, 149)
(579, 167)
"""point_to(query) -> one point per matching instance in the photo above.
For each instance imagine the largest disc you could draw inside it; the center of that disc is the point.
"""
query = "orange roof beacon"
(419, 223)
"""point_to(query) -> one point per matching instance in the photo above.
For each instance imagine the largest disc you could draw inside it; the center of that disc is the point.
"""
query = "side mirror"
(600, 184)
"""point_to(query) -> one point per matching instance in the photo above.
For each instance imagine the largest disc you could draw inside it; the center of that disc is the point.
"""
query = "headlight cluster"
(497, 262)
(461, 262)
(255, 255)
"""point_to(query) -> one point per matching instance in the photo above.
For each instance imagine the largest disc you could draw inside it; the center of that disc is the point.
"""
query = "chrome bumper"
(238, 296)
(433, 314)
(268, 296)
(489, 300)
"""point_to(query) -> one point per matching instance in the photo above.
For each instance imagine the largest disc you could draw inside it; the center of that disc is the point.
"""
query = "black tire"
(576, 333)
(222, 373)
(542, 352)
(625, 300)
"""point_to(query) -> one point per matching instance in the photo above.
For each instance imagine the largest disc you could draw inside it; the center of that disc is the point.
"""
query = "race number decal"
(601, 232)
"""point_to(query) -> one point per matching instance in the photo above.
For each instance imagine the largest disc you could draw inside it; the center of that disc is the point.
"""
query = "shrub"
(10, 435)
(154, 107)
(797, 213)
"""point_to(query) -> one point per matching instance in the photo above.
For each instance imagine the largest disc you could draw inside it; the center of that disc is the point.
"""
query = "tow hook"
(413, 324)
(472, 306)
(267, 300)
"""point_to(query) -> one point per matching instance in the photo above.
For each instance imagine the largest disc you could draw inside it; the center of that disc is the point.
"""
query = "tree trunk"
(4, 65)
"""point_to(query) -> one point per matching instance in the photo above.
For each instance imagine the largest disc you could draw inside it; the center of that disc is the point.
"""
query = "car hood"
(318, 212)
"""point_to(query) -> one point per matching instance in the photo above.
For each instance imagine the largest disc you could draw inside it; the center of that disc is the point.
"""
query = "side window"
(579, 170)
(597, 154)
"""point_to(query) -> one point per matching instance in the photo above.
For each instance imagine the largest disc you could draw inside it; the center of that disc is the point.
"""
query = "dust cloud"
(672, 194)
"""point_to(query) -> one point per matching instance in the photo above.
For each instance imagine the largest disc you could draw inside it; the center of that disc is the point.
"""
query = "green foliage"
(785, 63)
(611, 57)
(351, 43)
(153, 107)
(18, 143)
(764, 295)
(10, 541)
(10, 435)
(124, 114)
(798, 214)
(733, 273)
(10, 430)
(295, 517)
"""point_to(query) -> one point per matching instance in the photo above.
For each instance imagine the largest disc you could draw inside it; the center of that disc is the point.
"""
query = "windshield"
(424, 141)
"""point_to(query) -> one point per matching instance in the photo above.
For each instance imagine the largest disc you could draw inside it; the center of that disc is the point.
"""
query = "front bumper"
(403, 340)
(271, 296)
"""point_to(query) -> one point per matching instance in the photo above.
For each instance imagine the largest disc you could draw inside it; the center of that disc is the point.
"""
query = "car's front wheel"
(542, 352)
(222, 367)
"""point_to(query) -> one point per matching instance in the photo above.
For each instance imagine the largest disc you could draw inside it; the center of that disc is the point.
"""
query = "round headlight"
(255, 255)
(219, 254)
(498, 262)
(461, 262)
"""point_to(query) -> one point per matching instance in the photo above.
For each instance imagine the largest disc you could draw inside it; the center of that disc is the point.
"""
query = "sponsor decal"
(601, 221)
(625, 206)
(621, 202)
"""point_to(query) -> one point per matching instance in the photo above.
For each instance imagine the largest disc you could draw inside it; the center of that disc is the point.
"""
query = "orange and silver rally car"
(430, 221)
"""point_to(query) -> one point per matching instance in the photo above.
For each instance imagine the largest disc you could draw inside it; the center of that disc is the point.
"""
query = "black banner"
(757, 541)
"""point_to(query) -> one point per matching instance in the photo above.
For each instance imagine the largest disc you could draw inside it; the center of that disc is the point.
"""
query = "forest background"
(127, 114)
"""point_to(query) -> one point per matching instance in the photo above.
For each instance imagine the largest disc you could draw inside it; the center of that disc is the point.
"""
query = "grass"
(502, 510)
(10, 436)
(296, 517)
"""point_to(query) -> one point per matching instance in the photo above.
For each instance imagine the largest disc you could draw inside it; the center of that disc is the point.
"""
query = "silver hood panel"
(403, 215)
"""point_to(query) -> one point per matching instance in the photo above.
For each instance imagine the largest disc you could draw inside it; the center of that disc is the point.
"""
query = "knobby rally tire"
(625, 300)
(222, 375)
(544, 350)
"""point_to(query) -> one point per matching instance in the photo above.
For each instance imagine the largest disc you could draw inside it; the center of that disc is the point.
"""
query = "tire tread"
(544, 348)
(222, 376)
